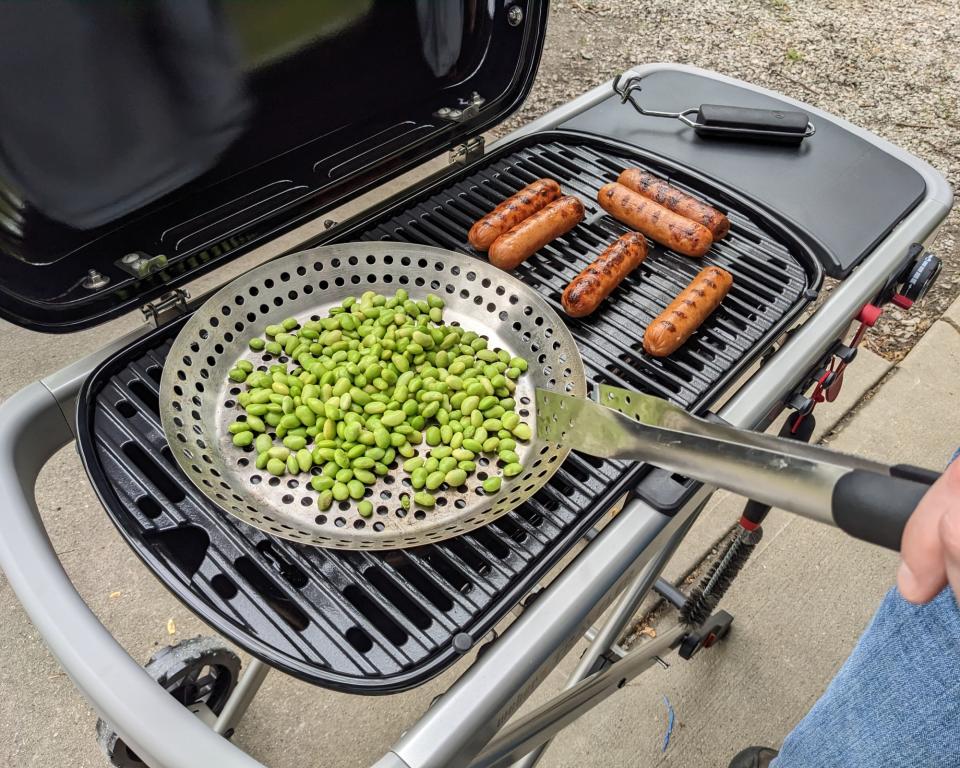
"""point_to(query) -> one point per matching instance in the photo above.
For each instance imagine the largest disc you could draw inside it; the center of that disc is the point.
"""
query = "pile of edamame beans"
(366, 385)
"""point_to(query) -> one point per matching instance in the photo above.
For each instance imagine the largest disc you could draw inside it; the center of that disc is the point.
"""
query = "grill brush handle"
(875, 508)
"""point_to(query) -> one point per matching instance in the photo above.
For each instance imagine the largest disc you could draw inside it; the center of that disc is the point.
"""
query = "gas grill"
(370, 622)
(378, 622)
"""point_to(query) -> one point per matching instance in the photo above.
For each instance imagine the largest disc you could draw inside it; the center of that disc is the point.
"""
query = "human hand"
(930, 549)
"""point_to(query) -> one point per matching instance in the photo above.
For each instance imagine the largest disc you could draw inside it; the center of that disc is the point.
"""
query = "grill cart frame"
(465, 726)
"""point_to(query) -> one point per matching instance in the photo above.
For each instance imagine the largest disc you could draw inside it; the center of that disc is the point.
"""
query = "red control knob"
(869, 315)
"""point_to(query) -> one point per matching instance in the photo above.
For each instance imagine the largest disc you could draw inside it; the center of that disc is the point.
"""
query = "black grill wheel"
(201, 670)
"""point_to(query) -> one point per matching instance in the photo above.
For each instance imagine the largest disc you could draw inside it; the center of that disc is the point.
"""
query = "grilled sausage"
(689, 207)
(663, 225)
(513, 248)
(512, 211)
(585, 292)
(686, 313)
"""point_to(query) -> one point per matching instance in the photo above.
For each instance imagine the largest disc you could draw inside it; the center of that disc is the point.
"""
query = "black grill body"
(384, 622)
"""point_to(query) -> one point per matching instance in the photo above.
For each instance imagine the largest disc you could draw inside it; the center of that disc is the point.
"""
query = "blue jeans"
(895, 703)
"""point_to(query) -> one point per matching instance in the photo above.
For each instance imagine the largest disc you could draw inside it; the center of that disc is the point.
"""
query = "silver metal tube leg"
(555, 715)
(468, 715)
(241, 697)
(593, 659)
(153, 724)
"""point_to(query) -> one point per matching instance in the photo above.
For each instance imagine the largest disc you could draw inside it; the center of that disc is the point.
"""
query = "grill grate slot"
(375, 622)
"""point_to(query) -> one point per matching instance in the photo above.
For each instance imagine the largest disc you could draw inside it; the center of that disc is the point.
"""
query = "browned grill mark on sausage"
(687, 311)
(559, 217)
(598, 280)
(512, 211)
(676, 200)
(661, 224)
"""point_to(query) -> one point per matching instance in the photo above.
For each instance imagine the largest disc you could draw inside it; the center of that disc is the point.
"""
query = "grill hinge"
(466, 153)
(168, 307)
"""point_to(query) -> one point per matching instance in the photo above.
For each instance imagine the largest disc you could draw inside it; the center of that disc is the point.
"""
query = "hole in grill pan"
(453, 575)
(421, 582)
(496, 547)
(149, 507)
(384, 624)
(511, 529)
(154, 473)
(272, 595)
(359, 639)
(395, 595)
(223, 585)
(146, 395)
(185, 546)
(468, 554)
(126, 409)
(293, 574)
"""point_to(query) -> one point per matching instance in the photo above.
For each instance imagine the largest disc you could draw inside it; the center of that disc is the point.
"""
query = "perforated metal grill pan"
(198, 401)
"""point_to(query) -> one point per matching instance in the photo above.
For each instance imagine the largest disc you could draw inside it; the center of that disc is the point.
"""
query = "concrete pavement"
(799, 605)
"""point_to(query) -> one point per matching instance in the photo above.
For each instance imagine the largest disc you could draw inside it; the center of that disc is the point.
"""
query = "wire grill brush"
(705, 597)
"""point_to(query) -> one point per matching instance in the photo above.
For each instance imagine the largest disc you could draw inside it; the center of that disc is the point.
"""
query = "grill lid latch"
(466, 153)
(168, 307)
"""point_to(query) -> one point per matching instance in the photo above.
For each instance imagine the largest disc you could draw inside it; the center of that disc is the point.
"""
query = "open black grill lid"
(142, 144)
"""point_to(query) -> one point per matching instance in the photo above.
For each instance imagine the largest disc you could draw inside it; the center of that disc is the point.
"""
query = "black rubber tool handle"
(875, 508)
(715, 121)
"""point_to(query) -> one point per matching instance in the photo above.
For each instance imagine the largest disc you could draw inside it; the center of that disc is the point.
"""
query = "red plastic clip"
(901, 301)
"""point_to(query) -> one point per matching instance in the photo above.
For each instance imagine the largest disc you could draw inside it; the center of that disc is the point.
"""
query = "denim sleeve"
(896, 700)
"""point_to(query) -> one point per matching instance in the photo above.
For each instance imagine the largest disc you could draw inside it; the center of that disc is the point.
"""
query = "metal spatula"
(869, 500)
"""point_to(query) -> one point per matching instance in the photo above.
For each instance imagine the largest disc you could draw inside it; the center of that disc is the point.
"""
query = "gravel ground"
(882, 65)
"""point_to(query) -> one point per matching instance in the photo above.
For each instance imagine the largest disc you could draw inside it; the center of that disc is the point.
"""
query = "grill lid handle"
(714, 121)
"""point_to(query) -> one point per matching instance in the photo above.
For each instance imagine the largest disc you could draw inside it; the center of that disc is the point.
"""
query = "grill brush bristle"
(706, 596)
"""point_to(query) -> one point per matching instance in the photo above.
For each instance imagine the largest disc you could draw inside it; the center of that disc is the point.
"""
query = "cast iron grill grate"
(379, 622)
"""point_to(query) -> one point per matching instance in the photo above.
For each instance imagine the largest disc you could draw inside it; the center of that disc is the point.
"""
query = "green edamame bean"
(340, 491)
(364, 476)
(405, 500)
(257, 344)
(355, 489)
(243, 439)
(344, 475)
(424, 499)
(446, 464)
(355, 451)
(472, 444)
(522, 431)
(276, 467)
(418, 477)
(279, 452)
(434, 480)
(392, 418)
(294, 443)
(321, 483)
(508, 457)
(304, 460)
(363, 462)
(492, 484)
(412, 463)
(325, 500)
(262, 459)
(455, 478)
(365, 508)
(512, 469)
